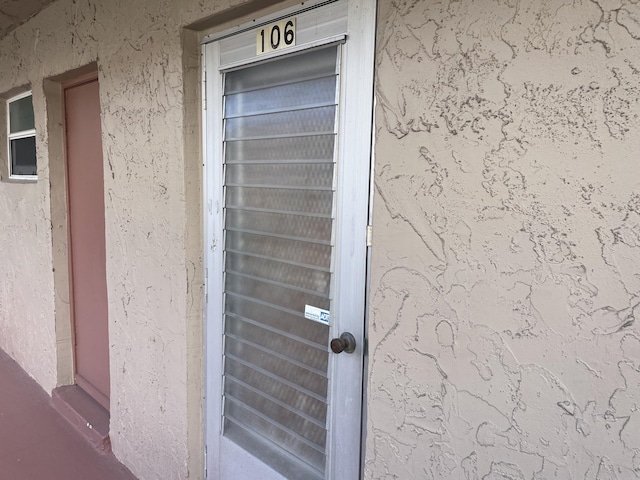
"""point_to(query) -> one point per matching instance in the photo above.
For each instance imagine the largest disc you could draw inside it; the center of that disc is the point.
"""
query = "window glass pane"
(321, 63)
(280, 138)
(318, 92)
(21, 115)
(23, 156)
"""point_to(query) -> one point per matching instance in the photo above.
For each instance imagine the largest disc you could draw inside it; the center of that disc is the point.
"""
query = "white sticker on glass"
(316, 314)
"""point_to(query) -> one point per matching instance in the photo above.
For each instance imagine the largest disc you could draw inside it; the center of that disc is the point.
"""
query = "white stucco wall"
(27, 330)
(154, 288)
(505, 273)
(504, 333)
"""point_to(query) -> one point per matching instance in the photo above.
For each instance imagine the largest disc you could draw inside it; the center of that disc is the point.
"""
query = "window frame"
(18, 135)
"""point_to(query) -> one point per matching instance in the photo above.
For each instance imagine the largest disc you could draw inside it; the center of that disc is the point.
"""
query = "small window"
(22, 137)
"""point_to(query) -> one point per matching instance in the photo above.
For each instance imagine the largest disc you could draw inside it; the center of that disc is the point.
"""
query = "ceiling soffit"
(14, 13)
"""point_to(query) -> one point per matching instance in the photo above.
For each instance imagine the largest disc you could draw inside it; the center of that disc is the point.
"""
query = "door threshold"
(85, 414)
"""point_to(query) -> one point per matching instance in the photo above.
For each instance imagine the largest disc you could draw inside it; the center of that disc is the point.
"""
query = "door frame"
(356, 111)
(56, 147)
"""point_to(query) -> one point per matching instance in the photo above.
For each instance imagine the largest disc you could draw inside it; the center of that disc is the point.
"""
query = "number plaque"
(276, 36)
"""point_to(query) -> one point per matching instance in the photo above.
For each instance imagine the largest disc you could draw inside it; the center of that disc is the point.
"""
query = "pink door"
(85, 183)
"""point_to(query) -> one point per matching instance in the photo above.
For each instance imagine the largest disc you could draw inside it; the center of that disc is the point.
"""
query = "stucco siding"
(505, 271)
(504, 340)
(27, 331)
(139, 53)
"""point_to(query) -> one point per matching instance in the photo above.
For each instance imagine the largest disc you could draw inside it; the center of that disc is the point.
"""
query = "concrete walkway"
(36, 443)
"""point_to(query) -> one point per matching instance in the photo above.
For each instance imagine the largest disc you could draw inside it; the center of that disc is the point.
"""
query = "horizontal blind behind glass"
(279, 167)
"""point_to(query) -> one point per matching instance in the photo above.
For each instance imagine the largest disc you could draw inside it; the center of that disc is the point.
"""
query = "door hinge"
(204, 92)
(206, 285)
(206, 464)
(369, 235)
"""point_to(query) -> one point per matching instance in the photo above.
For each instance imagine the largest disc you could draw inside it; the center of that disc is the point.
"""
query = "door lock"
(346, 343)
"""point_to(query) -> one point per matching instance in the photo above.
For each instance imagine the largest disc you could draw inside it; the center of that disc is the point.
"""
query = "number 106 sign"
(276, 36)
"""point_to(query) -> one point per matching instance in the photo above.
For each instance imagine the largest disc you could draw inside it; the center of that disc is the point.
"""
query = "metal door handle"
(346, 343)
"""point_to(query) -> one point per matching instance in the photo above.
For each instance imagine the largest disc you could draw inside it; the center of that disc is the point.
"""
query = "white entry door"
(287, 138)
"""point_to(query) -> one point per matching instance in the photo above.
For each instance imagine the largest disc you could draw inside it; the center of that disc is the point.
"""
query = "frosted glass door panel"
(279, 139)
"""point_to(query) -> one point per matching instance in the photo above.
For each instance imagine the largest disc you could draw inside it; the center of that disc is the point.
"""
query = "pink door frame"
(86, 236)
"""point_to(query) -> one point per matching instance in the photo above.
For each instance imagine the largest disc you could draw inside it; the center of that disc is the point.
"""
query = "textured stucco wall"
(27, 330)
(505, 284)
(504, 333)
(151, 198)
